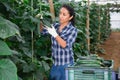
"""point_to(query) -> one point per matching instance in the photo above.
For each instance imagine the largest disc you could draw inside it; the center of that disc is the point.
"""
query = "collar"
(65, 28)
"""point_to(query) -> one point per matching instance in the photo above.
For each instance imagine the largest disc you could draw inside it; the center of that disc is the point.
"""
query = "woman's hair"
(71, 12)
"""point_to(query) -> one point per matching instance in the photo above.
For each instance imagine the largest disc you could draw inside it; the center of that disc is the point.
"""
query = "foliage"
(6, 30)
(28, 64)
(4, 49)
(8, 70)
(99, 26)
(116, 30)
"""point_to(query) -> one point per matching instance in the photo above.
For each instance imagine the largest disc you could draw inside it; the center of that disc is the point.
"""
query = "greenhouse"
(59, 39)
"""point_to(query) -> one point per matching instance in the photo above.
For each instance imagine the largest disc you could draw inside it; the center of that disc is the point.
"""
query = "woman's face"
(64, 16)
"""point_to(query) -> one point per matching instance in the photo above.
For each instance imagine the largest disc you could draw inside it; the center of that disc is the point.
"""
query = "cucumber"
(88, 62)
(89, 65)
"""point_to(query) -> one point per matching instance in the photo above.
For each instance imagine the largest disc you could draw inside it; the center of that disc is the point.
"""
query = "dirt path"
(112, 49)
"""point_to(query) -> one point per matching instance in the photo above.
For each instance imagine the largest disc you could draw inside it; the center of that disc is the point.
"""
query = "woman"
(63, 35)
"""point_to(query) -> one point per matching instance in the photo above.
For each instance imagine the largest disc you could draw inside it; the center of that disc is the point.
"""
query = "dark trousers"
(58, 72)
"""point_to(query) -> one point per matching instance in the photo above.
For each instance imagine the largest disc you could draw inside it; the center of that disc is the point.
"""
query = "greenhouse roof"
(103, 1)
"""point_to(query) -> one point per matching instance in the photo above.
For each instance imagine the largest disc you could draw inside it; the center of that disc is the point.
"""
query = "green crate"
(88, 73)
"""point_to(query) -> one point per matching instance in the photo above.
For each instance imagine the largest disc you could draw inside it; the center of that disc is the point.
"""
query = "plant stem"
(32, 32)
(32, 35)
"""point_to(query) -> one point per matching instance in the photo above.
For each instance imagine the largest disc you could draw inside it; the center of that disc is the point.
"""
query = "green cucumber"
(88, 62)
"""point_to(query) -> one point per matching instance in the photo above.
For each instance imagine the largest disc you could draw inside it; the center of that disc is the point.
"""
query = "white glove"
(52, 31)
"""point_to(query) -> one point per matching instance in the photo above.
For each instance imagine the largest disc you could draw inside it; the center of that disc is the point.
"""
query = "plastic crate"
(119, 73)
(88, 73)
(113, 75)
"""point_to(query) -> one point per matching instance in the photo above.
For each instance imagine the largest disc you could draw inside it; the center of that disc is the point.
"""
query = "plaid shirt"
(62, 56)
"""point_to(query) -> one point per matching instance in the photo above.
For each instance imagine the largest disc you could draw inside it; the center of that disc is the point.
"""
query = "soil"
(112, 49)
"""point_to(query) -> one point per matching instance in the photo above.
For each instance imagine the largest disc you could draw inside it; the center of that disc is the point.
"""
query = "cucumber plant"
(8, 70)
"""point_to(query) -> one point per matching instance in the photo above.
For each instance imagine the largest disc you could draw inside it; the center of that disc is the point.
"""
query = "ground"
(112, 49)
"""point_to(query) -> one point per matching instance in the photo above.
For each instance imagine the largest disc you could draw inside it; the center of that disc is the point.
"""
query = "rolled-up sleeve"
(44, 31)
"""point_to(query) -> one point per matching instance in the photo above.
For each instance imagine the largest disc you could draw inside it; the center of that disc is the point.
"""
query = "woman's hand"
(52, 31)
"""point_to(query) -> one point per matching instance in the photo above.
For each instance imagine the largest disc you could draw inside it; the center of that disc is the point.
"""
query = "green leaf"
(45, 65)
(4, 49)
(8, 8)
(28, 67)
(7, 28)
(8, 70)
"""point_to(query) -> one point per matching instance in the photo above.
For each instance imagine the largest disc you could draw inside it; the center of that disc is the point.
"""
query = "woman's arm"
(61, 41)
(69, 41)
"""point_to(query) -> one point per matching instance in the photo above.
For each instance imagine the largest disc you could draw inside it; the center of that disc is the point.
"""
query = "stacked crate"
(88, 73)
(89, 68)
